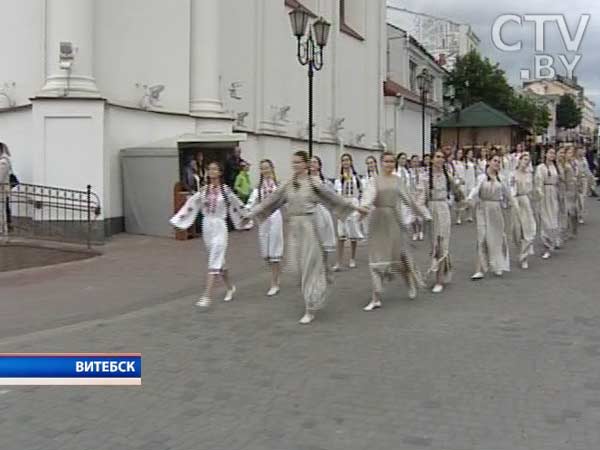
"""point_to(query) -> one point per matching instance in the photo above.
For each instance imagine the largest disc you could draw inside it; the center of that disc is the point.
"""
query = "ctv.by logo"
(543, 63)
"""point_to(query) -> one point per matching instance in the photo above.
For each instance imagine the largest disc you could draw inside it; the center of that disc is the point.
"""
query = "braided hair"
(371, 157)
(270, 163)
(304, 156)
(320, 167)
(354, 174)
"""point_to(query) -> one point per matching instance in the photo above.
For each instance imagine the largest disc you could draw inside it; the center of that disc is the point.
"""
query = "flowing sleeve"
(538, 181)
(186, 216)
(332, 201)
(252, 199)
(473, 196)
(4, 170)
(409, 201)
(269, 205)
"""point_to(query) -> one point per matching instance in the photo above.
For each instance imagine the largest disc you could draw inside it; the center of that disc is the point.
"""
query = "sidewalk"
(132, 272)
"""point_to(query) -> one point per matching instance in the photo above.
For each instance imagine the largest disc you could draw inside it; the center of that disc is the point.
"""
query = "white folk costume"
(366, 181)
(324, 221)
(304, 249)
(546, 183)
(523, 220)
(389, 244)
(404, 175)
(349, 188)
(586, 181)
(270, 232)
(215, 203)
(562, 205)
(470, 181)
(438, 191)
(572, 189)
(492, 245)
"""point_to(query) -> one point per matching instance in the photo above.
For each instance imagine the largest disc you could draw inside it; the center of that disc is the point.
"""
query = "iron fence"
(51, 213)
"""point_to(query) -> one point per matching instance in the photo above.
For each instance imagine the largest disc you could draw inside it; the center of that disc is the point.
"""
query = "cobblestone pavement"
(508, 363)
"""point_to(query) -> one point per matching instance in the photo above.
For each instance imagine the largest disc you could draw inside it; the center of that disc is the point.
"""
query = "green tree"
(474, 79)
(529, 113)
(568, 114)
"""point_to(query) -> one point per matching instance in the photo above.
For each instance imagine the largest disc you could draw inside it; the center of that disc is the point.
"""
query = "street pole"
(310, 109)
(423, 123)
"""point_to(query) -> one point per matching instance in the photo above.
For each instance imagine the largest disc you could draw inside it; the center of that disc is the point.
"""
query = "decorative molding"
(296, 4)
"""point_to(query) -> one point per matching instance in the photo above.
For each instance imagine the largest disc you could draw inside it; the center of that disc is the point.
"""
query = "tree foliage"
(568, 114)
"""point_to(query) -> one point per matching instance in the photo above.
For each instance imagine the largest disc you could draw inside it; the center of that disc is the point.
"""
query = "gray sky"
(482, 14)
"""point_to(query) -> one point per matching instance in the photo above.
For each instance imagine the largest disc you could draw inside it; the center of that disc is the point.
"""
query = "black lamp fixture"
(310, 53)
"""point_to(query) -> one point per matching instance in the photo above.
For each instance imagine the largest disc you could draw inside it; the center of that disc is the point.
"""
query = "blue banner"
(108, 365)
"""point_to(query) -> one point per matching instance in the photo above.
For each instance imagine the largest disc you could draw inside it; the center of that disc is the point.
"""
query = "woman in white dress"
(323, 218)
(492, 245)
(348, 186)
(562, 194)
(216, 201)
(546, 184)
(270, 232)
(459, 178)
(402, 172)
(572, 189)
(416, 190)
(389, 246)
(439, 187)
(372, 173)
(586, 181)
(523, 221)
(470, 180)
(304, 249)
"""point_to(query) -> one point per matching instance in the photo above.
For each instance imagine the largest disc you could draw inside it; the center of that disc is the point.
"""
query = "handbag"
(13, 180)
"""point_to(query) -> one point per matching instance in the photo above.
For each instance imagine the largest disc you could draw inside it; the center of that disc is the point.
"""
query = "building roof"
(420, 46)
(393, 89)
(478, 115)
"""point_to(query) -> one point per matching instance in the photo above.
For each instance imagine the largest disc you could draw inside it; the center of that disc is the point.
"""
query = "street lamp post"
(310, 53)
(424, 81)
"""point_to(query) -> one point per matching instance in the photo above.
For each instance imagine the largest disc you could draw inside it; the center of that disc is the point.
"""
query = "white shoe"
(498, 273)
(470, 220)
(412, 292)
(229, 294)
(546, 255)
(372, 305)
(437, 289)
(352, 264)
(415, 236)
(273, 291)
(477, 276)
(421, 237)
(335, 268)
(307, 318)
(581, 222)
(204, 302)
(524, 265)
(458, 222)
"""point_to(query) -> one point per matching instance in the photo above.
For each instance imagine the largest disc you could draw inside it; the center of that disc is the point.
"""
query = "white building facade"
(228, 72)
(403, 106)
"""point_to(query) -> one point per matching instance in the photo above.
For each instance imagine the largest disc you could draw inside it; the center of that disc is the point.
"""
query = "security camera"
(66, 55)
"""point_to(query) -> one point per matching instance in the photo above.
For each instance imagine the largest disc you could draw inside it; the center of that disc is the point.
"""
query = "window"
(412, 67)
(352, 17)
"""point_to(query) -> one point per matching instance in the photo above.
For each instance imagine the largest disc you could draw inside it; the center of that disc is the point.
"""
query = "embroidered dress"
(524, 225)
(214, 207)
(270, 232)
(350, 189)
(389, 248)
(546, 184)
(304, 249)
(492, 245)
(324, 221)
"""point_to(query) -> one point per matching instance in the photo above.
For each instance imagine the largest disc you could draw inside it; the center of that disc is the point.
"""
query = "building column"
(205, 98)
(70, 21)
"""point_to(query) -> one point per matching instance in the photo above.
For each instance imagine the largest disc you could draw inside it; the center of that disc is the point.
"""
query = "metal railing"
(51, 213)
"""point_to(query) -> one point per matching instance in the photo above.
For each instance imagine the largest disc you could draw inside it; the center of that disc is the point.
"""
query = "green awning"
(478, 115)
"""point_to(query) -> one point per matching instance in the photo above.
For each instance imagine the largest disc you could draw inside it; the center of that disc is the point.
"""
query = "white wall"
(146, 42)
(15, 131)
(22, 47)
(408, 127)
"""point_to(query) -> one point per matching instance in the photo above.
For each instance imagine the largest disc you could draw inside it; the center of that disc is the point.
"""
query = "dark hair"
(304, 156)
(398, 158)
(386, 153)
(374, 159)
(445, 170)
(270, 163)
(221, 184)
(353, 173)
(320, 167)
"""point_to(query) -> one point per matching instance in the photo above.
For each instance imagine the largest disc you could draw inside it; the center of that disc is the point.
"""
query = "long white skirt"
(215, 236)
(350, 228)
(270, 238)
(325, 228)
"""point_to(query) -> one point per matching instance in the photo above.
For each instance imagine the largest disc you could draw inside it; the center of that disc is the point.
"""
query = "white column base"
(70, 86)
(206, 106)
